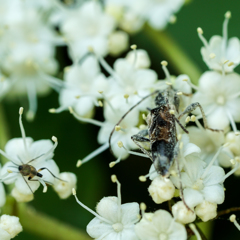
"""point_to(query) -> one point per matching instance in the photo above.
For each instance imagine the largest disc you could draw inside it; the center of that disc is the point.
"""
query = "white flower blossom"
(87, 26)
(220, 49)
(182, 214)
(83, 83)
(37, 154)
(113, 220)
(206, 210)
(201, 182)
(139, 58)
(161, 189)
(9, 227)
(118, 42)
(221, 103)
(64, 188)
(160, 226)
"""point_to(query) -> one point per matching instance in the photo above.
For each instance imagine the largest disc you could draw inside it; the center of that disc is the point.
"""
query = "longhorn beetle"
(30, 171)
(162, 133)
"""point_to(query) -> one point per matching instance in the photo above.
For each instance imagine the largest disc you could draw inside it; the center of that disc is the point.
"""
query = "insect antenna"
(20, 159)
(35, 158)
(110, 136)
(44, 168)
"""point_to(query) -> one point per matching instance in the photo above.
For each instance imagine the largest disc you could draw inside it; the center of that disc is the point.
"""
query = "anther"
(70, 110)
(179, 137)
(179, 93)
(230, 64)
(120, 144)
(90, 49)
(187, 120)
(144, 116)
(228, 14)
(237, 133)
(172, 19)
(142, 127)
(114, 178)
(77, 97)
(54, 139)
(212, 55)
(199, 30)
(142, 179)
(133, 47)
(168, 83)
(20, 110)
(9, 171)
(172, 112)
(193, 118)
(143, 206)
(181, 145)
(73, 192)
(112, 164)
(164, 63)
(79, 163)
(117, 128)
(226, 61)
(52, 110)
(126, 96)
(66, 69)
(100, 104)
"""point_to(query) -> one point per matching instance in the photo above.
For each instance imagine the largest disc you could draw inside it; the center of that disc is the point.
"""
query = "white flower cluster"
(31, 164)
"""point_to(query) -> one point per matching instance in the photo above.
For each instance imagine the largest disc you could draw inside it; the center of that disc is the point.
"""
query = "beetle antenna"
(35, 158)
(110, 136)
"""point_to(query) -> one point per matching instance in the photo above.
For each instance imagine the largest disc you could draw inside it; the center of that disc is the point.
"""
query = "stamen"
(112, 164)
(8, 157)
(119, 197)
(202, 38)
(134, 47)
(58, 110)
(94, 153)
(100, 103)
(107, 101)
(134, 153)
(51, 150)
(233, 219)
(212, 161)
(44, 185)
(225, 31)
(143, 208)
(23, 131)
(164, 67)
(142, 179)
(191, 85)
(230, 118)
(88, 120)
(126, 96)
(90, 210)
(32, 99)
(231, 172)
(212, 55)
(194, 229)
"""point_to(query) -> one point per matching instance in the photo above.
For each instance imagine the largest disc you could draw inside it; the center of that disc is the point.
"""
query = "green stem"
(178, 58)
(47, 227)
(4, 132)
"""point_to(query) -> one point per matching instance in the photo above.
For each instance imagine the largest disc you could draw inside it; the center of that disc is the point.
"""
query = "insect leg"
(191, 108)
(36, 180)
(44, 168)
(110, 136)
(27, 183)
(140, 138)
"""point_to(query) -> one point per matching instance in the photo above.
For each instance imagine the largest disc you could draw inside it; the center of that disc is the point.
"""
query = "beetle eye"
(20, 168)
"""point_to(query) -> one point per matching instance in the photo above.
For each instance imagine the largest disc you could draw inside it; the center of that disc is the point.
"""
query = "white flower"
(9, 227)
(201, 183)
(20, 197)
(83, 81)
(209, 142)
(206, 210)
(118, 43)
(37, 154)
(116, 222)
(2, 192)
(160, 226)
(220, 49)
(161, 189)
(87, 26)
(113, 220)
(182, 214)
(64, 189)
(141, 57)
(27, 53)
(132, 81)
(219, 97)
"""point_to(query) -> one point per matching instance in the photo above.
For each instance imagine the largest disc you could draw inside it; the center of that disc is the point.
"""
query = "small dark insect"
(27, 170)
(161, 121)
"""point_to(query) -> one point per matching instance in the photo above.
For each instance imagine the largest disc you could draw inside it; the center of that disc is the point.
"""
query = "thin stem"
(175, 55)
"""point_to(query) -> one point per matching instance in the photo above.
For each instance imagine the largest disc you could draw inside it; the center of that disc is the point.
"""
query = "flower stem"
(4, 132)
(40, 224)
(178, 58)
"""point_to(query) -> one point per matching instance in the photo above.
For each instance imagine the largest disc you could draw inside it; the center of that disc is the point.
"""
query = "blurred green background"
(76, 139)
